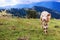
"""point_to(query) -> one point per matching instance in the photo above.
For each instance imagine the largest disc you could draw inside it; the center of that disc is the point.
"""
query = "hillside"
(14, 28)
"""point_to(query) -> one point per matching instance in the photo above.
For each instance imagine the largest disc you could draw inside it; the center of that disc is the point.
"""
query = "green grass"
(13, 28)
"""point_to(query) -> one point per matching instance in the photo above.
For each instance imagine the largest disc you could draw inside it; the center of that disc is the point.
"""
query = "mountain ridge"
(49, 4)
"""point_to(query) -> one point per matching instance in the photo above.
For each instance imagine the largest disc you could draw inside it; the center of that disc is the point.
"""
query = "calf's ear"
(49, 15)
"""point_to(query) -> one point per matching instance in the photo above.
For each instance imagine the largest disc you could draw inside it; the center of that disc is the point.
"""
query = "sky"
(15, 2)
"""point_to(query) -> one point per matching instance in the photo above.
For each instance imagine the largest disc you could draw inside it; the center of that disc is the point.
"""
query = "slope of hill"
(14, 28)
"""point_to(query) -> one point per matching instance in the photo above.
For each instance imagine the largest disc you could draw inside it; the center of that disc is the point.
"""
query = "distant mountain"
(49, 4)
(22, 12)
(51, 7)
(53, 13)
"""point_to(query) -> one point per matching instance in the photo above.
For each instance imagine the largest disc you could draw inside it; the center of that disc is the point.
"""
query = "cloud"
(14, 2)
(32, 1)
(8, 3)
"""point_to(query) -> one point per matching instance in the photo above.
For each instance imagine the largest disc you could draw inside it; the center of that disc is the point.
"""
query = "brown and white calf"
(45, 18)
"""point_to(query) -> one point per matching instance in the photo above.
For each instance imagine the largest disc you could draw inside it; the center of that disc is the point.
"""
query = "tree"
(31, 14)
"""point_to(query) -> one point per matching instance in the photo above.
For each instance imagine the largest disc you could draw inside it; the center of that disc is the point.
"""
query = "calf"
(45, 18)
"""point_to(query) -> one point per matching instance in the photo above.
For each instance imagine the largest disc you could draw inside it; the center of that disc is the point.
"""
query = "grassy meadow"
(14, 28)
